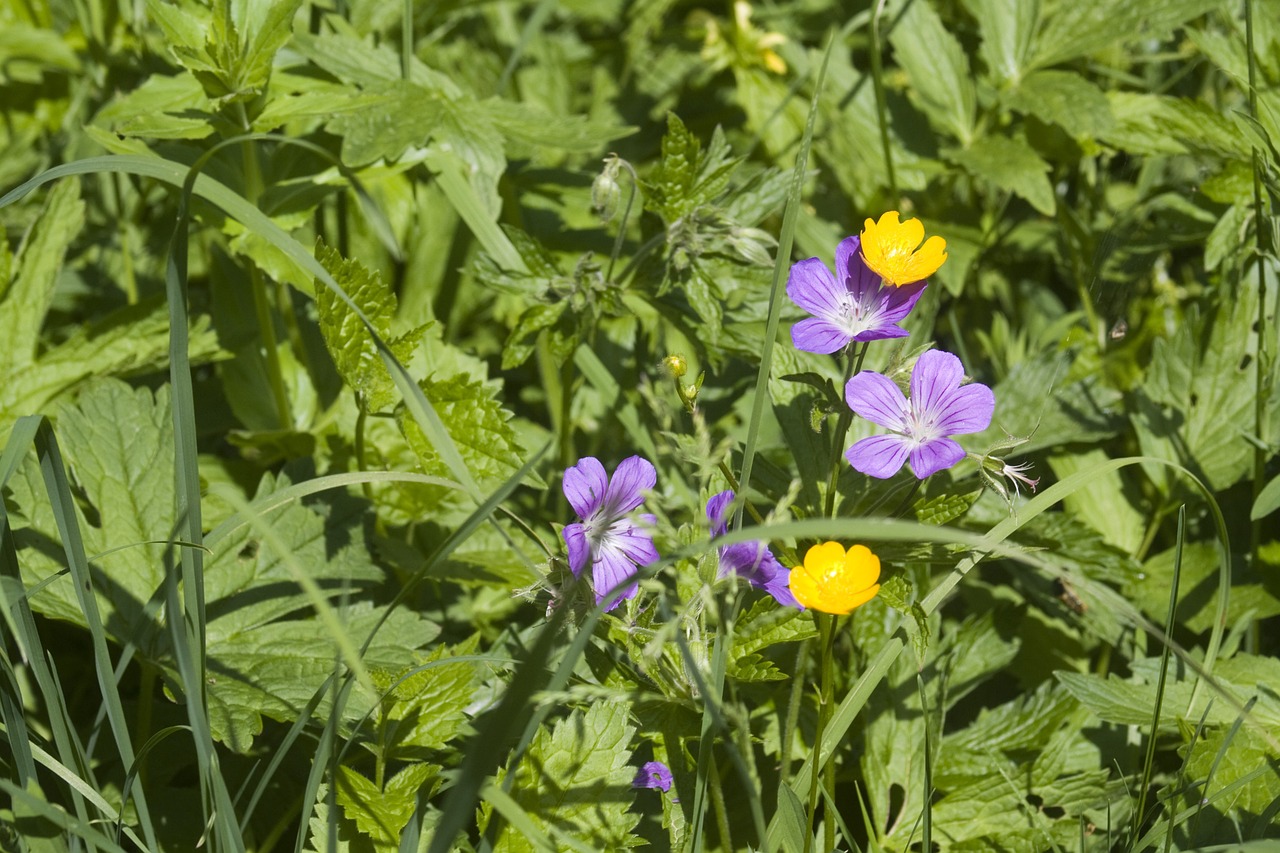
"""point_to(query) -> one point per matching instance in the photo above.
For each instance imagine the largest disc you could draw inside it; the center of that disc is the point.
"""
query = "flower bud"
(675, 365)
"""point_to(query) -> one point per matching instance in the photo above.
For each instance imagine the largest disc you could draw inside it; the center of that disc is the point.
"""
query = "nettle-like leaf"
(687, 177)
(766, 624)
(939, 70)
(381, 814)
(1011, 164)
(1066, 99)
(576, 779)
(134, 339)
(428, 708)
(349, 342)
(477, 422)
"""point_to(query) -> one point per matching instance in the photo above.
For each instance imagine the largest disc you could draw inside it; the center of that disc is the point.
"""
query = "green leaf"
(429, 706)
(474, 417)
(576, 779)
(524, 126)
(1010, 164)
(766, 624)
(1079, 28)
(1268, 500)
(163, 107)
(38, 263)
(518, 348)
(1160, 124)
(944, 509)
(1132, 702)
(348, 339)
(940, 76)
(1064, 98)
(1007, 29)
(271, 26)
(382, 814)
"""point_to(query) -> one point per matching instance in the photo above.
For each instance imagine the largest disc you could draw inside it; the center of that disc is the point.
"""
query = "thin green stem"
(626, 217)
(856, 356)
(882, 108)
(826, 638)
(793, 713)
(362, 417)
(717, 803)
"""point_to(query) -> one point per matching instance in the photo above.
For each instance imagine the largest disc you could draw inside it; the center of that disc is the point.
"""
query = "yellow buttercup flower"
(892, 250)
(833, 580)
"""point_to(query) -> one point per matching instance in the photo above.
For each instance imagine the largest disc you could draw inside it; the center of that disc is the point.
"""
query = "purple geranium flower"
(654, 774)
(856, 305)
(750, 560)
(607, 537)
(939, 407)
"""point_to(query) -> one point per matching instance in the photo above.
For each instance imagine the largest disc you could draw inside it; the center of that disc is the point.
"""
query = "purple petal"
(816, 334)
(936, 375)
(850, 248)
(933, 457)
(633, 541)
(654, 774)
(874, 397)
(585, 485)
(611, 570)
(811, 286)
(631, 479)
(741, 559)
(901, 300)
(880, 333)
(575, 539)
(715, 511)
(857, 278)
(967, 410)
(879, 456)
(779, 586)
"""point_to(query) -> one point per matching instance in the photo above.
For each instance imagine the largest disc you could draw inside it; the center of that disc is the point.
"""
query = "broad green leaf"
(1080, 28)
(576, 779)
(524, 126)
(429, 706)
(1007, 29)
(381, 814)
(1102, 502)
(348, 339)
(944, 509)
(475, 418)
(1132, 702)
(940, 75)
(269, 24)
(1064, 98)
(1196, 405)
(1228, 237)
(767, 624)
(1018, 726)
(687, 177)
(1268, 500)
(1222, 762)
(36, 267)
(26, 52)
(1197, 607)
(1160, 124)
(1009, 163)
(163, 107)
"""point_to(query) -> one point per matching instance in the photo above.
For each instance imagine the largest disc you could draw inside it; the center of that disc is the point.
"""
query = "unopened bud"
(675, 365)
(605, 191)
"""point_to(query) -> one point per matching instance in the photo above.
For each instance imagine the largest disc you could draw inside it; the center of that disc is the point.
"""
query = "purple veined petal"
(811, 286)
(863, 285)
(881, 333)
(936, 375)
(879, 456)
(634, 476)
(967, 410)
(741, 559)
(611, 570)
(779, 586)
(850, 249)
(633, 541)
(934, 456)
(654, 774)
(874, 396)
(575, 539)
(716, 508)
(901, 300)
(585, 485)
(819, 335)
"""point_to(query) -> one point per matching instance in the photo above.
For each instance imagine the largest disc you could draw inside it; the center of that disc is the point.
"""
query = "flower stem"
(826, 638)
(842, 428)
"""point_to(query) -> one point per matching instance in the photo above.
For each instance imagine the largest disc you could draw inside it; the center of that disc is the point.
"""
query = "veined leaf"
(429, 706)
(1010, 164)
(382, 814)
(1064, 98)
(938, 68)
(1080, 28)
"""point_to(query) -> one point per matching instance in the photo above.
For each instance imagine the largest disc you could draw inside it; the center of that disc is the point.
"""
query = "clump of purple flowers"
(654, 774)
(855, 305)
(920, 427)
(608, 538)
(751, 560)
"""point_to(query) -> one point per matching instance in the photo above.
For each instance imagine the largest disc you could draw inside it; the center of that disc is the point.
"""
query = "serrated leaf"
(270, 27)
(430, 704)
(753, 668)
(1080, 28)
(577, 778)
(1224, 762)
(767, 624)
(518, 348)
(382, 814)
(938, 68)
(1227, 237)
(349, 342)
(1132, 702)
(669, 187)
(478, 424)
(1010, 164)
(527, 126)
(1160, 124)
(1064, 98)
(944, 509)
(1007, 30)
(163, 107)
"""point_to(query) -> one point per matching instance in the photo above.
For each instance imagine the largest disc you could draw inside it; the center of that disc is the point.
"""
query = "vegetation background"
(306, 307)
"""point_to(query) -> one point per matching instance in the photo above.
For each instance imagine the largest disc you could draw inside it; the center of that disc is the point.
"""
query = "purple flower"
(607, 537)
(654, 774)
(939, 407)
(750, 560)
(856, 305)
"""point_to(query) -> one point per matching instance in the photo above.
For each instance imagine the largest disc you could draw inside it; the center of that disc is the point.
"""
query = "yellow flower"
(890, 249)
(835, 581)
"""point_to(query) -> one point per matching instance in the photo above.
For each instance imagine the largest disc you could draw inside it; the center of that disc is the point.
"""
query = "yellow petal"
(861, 568)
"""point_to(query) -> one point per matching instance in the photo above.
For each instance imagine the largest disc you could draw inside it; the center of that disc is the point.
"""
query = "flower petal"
(631, 479)
(811, 286)
(634, 541)
(585, 485)
(875, 397)
(611, 570)
(819, 335)
(935, 456)
(849, 261)
(879, 456)
(968, 409)
(861, 567)
(715, 511)
(934, 379)
(902, 300)
(575, 539)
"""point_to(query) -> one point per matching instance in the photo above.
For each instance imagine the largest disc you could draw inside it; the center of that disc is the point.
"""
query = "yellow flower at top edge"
(833, 580)
(892, 250)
